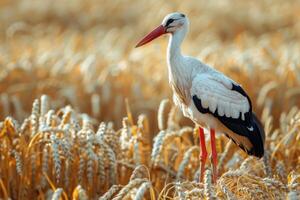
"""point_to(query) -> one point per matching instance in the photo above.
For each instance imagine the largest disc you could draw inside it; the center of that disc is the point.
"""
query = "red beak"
(152, 35)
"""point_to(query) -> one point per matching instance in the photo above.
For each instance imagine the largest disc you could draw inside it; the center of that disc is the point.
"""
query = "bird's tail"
(257, 138)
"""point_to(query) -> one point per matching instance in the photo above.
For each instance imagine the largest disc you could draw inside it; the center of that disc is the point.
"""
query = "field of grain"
(84, 115)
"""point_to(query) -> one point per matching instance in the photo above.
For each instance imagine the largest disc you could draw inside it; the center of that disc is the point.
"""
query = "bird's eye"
(169, 22)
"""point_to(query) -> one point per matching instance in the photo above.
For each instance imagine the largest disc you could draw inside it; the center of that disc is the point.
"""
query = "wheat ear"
(208, 188)
(142, 190)
(126, 189)
(111, 192)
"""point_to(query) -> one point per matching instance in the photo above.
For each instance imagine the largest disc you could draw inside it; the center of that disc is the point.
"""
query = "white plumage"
(217, 95)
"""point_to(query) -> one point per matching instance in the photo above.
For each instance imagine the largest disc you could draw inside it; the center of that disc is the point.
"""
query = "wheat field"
(84, 115)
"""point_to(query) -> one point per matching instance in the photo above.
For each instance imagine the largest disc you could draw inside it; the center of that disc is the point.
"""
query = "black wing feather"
(250, 127)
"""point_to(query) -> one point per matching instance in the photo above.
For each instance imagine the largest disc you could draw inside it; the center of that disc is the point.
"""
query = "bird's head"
(172, 23)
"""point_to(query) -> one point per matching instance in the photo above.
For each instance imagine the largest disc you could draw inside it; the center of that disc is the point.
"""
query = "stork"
(208, 97)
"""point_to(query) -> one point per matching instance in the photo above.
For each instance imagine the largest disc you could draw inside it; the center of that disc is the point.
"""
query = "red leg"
(214, 154)
(203, 154)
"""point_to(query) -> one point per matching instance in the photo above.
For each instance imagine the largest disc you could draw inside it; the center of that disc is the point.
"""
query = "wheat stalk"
(111, 192)
(157, 146)
(56, 157)
(172, 122)
(195, 193)
(126, 189)
(109, 153)
(185, 161)
(161, 114)
(142, 190)
(208, 188)
(35, 116)
(101, 169)
(81, 169)
(79, 193)
(57, 194)
(140, 171)
(19, 164)
(226, 191)
(281, 170)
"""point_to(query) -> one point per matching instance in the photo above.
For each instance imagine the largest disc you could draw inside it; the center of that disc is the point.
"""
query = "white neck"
(175, 41)
(174, 56)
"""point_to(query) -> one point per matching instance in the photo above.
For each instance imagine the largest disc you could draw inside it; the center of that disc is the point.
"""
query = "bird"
(212, 100)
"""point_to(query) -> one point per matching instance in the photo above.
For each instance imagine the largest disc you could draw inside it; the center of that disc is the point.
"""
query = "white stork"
(208, 97)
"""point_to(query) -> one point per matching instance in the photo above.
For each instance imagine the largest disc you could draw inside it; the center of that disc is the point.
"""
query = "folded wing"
(228, 102)
(221, 96)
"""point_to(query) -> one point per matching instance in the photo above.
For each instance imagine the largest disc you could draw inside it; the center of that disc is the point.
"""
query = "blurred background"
(81, 52)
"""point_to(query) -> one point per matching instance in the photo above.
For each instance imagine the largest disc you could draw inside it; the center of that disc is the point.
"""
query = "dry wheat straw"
(126, 189)
(274, 183)
(208, 188)
(225, 156)
(162, 146)
(226, 190)
(86, 122)
(136, 152)
(167, 169)
(56, 157)
(180, 191)
(91, 157)
(57, 194)
(246, 164)
(35, 117)
(81, 169)
(293, 195)
(50, 121)
(45, 165)
(65, 119)
(157, 146)
(67, 171)
(264, 92)
(101, 130)
(112, 139)
(172, 123)
(48, 194)
(197, 175)
(44, 104)
(162, 114)
(195, 193)
(111, 192)
(101, 169)
(140, 193)
(65, 145)
(79, 193)
(110, 155)
(25, 126)
(185, 161)
(143, 123)
(19, 165)
(140, 171)
(267, 166)
(281, 170)
(186, 131)
(33, 159)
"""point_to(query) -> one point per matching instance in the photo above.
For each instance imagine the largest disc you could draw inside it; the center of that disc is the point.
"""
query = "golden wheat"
(83, 115)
